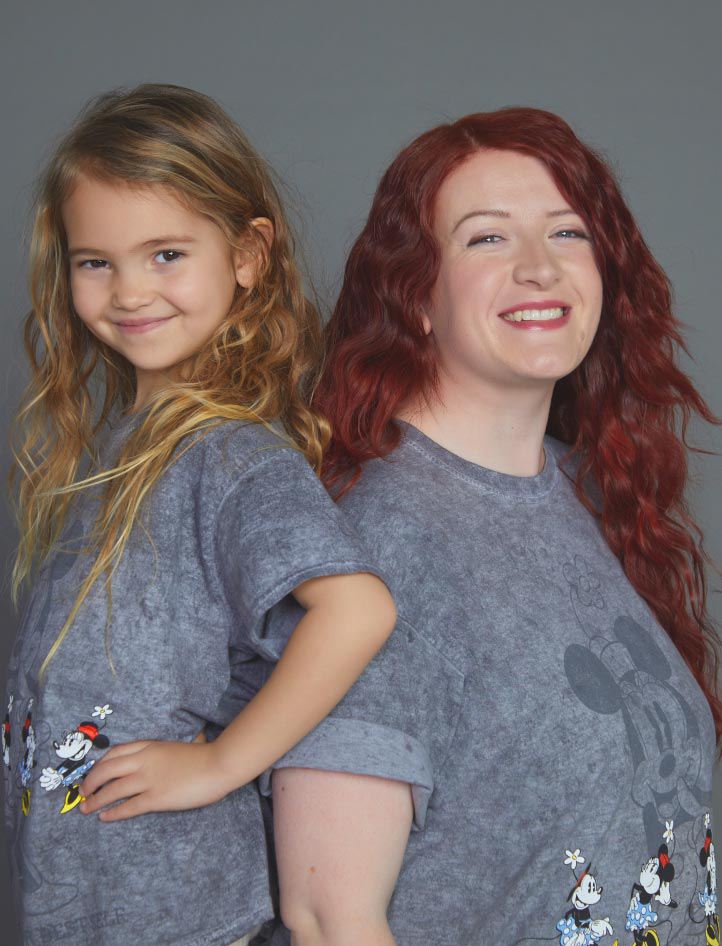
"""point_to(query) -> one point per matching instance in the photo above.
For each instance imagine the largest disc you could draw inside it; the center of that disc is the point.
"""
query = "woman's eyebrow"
(563, 211)
(481, 213)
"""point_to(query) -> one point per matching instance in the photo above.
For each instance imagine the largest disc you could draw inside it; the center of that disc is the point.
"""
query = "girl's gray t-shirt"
(558, 748)
(236, 522)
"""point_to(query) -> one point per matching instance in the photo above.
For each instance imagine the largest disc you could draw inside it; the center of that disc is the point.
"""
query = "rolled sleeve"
(363, 748)
(396, 722)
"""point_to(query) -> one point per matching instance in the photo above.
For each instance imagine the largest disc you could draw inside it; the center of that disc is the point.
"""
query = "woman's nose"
(536, 267)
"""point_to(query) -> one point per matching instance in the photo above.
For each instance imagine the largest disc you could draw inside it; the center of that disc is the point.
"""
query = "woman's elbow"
(302, 920)
(334, 924)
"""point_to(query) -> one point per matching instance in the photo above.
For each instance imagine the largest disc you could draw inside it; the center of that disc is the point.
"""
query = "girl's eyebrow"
(156, 241)
(505, 214)
(170, 240)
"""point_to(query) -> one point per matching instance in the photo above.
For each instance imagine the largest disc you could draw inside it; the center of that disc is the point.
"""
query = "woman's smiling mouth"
(537, 315)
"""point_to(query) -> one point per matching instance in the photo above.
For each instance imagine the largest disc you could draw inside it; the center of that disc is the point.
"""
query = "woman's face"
(518, 296)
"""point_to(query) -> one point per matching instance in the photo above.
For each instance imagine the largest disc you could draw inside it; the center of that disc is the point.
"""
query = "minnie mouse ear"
(580, 878)
(666, 867)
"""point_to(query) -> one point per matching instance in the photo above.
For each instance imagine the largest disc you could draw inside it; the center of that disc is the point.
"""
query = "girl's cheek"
(86, 301)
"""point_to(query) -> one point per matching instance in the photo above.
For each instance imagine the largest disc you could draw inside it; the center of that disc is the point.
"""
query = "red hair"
(624, 411)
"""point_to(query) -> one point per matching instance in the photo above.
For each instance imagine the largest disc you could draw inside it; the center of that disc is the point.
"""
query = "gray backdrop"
(330, 91)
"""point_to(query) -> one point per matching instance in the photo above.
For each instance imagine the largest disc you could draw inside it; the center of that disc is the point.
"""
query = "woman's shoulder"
(562, 452)
(568, 461)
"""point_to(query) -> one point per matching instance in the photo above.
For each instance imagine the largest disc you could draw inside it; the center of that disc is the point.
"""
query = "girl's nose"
(131, 292)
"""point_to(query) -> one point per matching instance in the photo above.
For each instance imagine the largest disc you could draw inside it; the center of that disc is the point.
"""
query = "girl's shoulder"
(214, 460)
(240, 445)
(211, 462)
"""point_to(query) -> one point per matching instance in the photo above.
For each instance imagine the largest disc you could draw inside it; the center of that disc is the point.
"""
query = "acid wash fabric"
(559, 750)
(236, 522)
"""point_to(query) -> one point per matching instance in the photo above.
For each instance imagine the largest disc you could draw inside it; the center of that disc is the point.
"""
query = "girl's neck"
(500, 428)
(147, 383)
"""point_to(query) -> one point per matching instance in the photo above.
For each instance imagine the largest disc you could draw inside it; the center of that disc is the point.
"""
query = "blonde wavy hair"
(260, 365)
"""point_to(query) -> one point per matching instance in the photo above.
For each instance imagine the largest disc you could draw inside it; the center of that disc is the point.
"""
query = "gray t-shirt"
(236, 522)
(559, 750)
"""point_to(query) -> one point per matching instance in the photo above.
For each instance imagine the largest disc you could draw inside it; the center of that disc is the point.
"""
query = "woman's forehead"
(501, 184)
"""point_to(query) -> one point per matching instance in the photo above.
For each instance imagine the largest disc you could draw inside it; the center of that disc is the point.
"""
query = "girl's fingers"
(129, 809)
(117, 790)
(125, 748)
(108, 769)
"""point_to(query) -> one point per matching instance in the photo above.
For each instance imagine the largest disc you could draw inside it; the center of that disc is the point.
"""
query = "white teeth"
(533, 315)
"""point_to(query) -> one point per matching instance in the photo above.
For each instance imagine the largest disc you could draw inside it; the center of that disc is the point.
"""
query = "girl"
(166, 500)
(508, 424)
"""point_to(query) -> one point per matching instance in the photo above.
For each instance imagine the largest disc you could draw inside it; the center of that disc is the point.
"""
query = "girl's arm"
(340, 840)
(348, 618)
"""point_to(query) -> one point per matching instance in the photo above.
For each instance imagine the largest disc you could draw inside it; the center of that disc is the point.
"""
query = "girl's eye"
(93, 264)
(167, 256)
(572, 234)
(488, 238)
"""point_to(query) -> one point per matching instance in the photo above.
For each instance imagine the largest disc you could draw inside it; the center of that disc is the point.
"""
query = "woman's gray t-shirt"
(236, 522)
(559, 750)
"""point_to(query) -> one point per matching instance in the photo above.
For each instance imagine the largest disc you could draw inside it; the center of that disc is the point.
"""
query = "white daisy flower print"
(573, 858)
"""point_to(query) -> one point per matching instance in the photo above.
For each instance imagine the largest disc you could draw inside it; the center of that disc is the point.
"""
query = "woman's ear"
(248, 260)
(426, 323)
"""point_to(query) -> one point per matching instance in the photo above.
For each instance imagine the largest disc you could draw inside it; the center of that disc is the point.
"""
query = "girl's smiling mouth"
(136, 326)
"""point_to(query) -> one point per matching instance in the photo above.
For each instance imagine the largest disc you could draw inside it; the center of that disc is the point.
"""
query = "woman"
(509, 439)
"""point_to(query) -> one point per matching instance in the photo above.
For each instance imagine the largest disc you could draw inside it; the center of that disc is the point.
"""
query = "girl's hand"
(154, 776)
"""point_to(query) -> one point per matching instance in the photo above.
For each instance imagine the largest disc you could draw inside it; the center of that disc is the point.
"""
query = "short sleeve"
(397, 722)
(277, 527)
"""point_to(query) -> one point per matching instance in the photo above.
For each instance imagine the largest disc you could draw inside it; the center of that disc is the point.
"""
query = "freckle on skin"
(312, 870)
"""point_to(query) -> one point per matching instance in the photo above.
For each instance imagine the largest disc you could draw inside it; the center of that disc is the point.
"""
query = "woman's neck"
(500, 428)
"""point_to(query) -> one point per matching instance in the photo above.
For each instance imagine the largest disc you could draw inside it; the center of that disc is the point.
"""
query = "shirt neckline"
(520, 488)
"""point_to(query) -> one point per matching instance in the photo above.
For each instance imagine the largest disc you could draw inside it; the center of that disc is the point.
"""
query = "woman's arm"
(340, 840)
(348, 618)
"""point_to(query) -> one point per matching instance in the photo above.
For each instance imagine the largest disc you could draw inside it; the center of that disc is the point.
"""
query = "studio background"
(330, 91)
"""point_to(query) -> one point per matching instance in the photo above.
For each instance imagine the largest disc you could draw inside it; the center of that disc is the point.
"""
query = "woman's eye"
(93, 264)
(488, 238)
(572, 234)
(167, 256)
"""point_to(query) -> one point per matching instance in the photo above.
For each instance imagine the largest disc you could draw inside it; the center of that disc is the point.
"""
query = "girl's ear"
(249, 260)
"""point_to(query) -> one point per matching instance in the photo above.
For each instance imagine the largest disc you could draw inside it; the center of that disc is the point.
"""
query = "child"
(166, 500)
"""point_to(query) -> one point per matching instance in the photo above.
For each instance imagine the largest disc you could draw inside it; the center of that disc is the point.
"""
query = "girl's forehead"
(92, 196)
(127, 216)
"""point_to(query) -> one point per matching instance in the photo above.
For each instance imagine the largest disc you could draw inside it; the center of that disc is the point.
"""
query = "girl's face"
(518, 297)
(148, 276)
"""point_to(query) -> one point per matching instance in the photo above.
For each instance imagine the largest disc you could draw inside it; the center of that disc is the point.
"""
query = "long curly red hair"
(624, 411)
